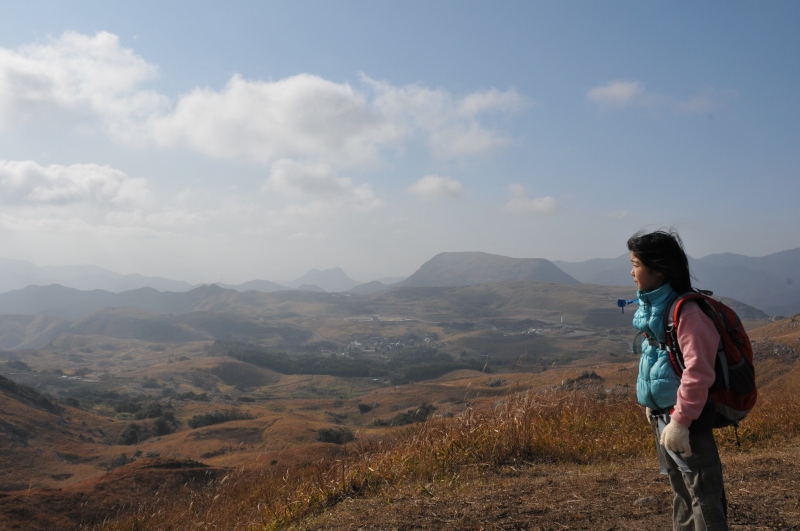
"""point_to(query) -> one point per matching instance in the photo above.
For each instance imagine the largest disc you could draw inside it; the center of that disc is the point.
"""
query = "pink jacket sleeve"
(698, 339)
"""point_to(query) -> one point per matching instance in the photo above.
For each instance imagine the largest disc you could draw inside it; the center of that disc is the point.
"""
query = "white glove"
(675, 437)
(648, 411)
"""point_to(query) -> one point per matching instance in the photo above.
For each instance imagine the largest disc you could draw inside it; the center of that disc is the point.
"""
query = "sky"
(226, 142)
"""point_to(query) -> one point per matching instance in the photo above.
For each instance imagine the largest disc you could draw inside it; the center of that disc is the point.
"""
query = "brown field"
(570, 477)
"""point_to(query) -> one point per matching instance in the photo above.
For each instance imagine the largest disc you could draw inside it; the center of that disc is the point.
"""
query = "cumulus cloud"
(522, 205)
(30, 183)
(624, 93)
(302, 116)
(490, 100)
(307, 116)
(616, 93)
(436, 187)
(77, 73)
(451, 124)
(320, 185)
(102, 200)
(87, 199)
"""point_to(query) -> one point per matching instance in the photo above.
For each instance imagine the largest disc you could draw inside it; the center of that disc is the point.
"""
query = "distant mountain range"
(770, 283)
(51, 315)
(329, 280)
(70, 303)
(17, 274)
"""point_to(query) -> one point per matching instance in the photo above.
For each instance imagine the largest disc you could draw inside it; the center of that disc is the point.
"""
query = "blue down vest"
(657, 383)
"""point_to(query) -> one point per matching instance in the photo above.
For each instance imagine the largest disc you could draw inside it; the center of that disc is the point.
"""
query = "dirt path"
(762, 487)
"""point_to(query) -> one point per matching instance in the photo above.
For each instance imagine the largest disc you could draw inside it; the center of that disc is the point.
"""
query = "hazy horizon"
(299, 274)
(212, 143)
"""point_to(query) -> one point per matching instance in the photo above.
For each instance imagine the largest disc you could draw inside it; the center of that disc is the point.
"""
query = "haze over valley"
(767, 282)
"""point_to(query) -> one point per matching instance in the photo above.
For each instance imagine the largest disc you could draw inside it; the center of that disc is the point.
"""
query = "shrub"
(409, 417)
(120, 460)
(202, 397)
(72, 402)
(585, 379)
(150, 383)
(127, 407)
(133, 434)
(217, 417)
(335, 435)
(152, 411)
(163, 426)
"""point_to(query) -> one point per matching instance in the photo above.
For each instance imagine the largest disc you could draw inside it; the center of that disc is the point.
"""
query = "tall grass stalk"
(530, 427)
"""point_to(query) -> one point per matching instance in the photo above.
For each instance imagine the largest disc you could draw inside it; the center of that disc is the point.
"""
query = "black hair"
(662, 251)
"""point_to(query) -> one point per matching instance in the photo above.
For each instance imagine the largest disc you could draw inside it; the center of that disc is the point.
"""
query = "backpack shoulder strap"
(673, 317)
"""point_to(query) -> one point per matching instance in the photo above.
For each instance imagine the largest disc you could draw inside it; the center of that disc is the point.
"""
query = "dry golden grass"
(588, 426)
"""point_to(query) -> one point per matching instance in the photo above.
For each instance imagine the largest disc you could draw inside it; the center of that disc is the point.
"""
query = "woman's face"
(645, 278)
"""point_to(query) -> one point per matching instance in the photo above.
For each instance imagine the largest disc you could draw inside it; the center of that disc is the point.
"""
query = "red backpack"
(734, 391)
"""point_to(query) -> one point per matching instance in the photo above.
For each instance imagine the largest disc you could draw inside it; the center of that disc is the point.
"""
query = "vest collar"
(657, 296)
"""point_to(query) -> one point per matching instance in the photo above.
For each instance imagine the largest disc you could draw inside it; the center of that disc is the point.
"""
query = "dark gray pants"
(699, 503)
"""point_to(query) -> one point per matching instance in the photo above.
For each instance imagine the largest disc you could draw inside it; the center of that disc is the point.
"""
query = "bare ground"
(762, 489)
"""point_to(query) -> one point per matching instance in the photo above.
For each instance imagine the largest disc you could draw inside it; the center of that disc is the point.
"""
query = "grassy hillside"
(266, 468)
(29, 331)
(587, 426)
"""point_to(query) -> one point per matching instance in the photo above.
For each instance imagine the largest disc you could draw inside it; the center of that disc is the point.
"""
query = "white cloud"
(303, 115)
(622, 93)
(94, 199)
(705, 102)
(77, 73)
(616, 93)
(100, 200)
(451, 124)
(319, 184)
(490, 100)
(520, 204)
(436, 187)
(464, 141)
(26, 182)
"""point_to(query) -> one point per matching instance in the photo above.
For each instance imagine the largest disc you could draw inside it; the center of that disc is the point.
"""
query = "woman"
(660, 270)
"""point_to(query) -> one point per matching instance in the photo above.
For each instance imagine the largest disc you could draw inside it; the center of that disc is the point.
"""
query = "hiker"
(680, 404)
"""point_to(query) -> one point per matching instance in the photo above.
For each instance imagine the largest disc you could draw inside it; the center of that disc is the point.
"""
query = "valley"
(277, 380)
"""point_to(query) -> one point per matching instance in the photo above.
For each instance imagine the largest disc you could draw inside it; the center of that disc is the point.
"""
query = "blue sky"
(210, 142)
